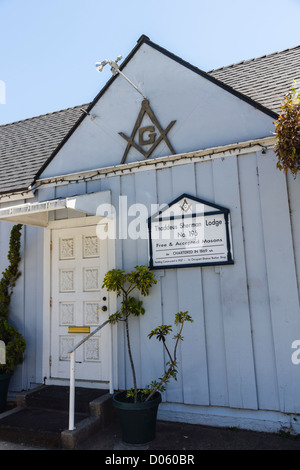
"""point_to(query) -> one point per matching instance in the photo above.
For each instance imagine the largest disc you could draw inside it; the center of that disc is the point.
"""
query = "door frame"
(46, 339)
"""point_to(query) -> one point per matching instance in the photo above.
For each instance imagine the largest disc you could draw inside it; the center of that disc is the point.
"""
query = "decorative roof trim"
(162, 162)
(17, 195)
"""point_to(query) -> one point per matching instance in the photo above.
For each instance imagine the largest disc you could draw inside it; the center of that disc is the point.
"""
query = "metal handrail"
(72, 375)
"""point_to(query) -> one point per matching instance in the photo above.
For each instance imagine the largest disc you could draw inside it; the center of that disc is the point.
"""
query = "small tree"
(171, 371)
(161, 332)
(287, 131)
(14, 341)
(116, 280)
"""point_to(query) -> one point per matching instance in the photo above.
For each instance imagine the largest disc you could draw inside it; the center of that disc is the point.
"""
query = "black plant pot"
(137, 420)
(4, 384)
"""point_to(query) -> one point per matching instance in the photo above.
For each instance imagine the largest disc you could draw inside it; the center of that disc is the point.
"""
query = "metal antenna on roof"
(115, 69)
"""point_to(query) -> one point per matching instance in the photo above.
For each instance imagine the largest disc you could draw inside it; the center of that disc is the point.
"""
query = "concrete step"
(56, 397)
(36, 426)
(41, 417)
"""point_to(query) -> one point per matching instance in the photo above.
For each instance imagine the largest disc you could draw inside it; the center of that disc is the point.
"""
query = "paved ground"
(4, 445)
(170, 436)
(179, 436)
(185, 437)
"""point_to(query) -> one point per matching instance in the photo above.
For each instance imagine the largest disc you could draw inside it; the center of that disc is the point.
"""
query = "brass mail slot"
(79, 329)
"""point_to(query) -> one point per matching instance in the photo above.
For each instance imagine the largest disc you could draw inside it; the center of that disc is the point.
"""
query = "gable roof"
(265, 79)
(145, 40)
(27, 146)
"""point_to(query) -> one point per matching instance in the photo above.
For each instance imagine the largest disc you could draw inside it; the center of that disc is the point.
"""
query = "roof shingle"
(26, 145)
(266, 79)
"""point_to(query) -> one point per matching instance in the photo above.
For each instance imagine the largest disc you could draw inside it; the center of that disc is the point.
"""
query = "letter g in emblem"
(151, 135)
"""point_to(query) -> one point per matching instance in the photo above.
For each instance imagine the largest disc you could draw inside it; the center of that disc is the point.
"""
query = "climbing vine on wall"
(11, 273)
(14, 341)
(287, 131)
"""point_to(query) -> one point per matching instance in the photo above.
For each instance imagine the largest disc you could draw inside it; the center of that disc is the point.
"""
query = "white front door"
(79, 263)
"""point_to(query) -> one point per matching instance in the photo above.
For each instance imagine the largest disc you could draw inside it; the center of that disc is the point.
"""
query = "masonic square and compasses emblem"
(147, 135)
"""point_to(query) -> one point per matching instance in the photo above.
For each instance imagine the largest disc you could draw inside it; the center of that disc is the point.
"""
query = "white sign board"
(190, 232)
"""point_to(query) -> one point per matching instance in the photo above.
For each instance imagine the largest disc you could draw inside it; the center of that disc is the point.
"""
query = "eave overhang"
(38, 213)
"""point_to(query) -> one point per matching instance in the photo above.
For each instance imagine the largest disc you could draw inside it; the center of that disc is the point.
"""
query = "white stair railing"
(72, 375)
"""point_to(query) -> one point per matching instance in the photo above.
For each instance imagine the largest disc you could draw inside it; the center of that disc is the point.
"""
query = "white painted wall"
(246, 316)
(206, 115)
(237, 354)
(26, 309)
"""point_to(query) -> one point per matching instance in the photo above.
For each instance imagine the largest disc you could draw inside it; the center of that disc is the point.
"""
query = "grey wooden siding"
(27, 302)
(237, 353)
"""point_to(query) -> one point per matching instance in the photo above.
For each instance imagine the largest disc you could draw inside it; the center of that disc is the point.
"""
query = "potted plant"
(12, 342)
(137, 408)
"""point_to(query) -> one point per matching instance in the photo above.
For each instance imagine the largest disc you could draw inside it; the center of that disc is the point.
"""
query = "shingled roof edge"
(44, 114)
(246, 61)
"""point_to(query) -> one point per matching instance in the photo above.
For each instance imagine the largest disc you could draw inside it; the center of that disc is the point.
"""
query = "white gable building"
(203, 143)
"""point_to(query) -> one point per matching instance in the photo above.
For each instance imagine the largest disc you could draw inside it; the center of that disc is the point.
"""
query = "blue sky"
(49, 47)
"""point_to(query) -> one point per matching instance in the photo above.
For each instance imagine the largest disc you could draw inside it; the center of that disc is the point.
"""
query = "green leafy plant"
(171, 371)
(140, 279)
(14, 346)
(287, 131)
(14, 342)
(11, 274)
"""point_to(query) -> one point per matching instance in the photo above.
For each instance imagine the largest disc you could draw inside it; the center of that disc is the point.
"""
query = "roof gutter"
(20, 194)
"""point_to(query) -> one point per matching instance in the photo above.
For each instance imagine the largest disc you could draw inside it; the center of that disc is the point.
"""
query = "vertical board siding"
(26, 302)
(30, 295)
(4, 243)
(259, 301)
(38, 378)
(170, 303)
(76, 189)
(294, 198)
(282, 283)
(113, 185)
(129, 250)
(237, 353)
(234, 294)
(151, 353)
(33, 302)
(214, 330)
(190, 297)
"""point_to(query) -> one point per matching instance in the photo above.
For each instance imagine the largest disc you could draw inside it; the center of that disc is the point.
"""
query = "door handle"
(104, 308)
